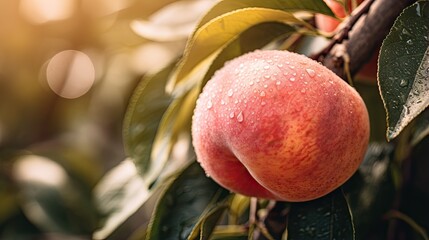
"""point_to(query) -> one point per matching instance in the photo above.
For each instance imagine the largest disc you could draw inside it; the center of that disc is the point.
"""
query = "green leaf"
(180, 207)
(53, 202)
(176, 120)
(251, 39)
(403, 72)
(371, 190)
(226, 6)
(220, 31)
(239, 206)
(230, 232)
(119, 194)
(328, 217)
(207, 223)
(142, 119)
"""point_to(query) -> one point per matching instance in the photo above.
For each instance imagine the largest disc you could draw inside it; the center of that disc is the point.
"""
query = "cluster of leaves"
(191, 206)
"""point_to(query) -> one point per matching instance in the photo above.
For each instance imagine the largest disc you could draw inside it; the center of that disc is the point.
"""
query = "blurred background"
(67, 70)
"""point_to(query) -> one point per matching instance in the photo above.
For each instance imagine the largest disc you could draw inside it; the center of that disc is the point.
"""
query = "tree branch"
(365, 36)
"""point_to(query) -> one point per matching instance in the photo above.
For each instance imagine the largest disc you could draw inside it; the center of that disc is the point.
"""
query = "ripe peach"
(329, 24)
(278, 125)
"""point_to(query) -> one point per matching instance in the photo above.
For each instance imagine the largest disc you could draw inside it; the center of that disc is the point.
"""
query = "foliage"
(60, 173)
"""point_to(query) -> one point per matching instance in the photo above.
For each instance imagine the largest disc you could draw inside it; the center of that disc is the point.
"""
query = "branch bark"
(365, 36)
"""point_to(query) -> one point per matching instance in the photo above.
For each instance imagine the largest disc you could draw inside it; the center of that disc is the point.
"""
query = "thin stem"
(398, 215)
(343, 33)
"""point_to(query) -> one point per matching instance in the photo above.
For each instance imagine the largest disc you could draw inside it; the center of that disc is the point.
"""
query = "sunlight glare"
(43, 11)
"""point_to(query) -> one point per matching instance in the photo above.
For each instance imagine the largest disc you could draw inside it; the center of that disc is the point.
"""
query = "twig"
(345, 28)
(362, 35)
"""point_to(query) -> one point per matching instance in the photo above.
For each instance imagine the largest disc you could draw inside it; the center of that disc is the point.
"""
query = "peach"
(327, 23)
(278, 125)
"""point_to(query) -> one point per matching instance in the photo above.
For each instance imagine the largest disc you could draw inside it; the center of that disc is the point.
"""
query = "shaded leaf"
(371, 190)
(119, 194)
(176, 120)
(220, 31)
(328, 217)
(180, 207)
(230, 232)
(53, 202)
(207, 223)
(142, 119)
(403, 71)
(239, 206)
(19, 227)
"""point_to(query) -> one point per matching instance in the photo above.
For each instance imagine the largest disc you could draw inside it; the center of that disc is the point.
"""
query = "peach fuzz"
(278, 125)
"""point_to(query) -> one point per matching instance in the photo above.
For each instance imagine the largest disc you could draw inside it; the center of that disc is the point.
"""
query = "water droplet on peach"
(310, 72)
(240, 117)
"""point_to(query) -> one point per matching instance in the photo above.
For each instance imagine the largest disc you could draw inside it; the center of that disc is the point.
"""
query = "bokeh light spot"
(70, 74)
(42, 11)
(33, 168)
